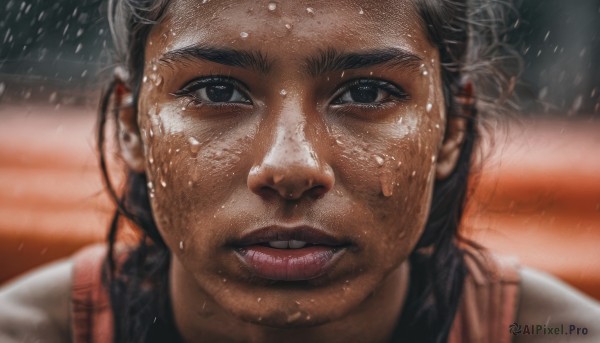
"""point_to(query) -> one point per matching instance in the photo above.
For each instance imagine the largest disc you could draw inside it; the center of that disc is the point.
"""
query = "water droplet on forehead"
(244, 34)
(272, 6)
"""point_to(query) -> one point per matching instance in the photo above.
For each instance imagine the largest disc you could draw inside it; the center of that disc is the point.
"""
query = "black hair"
(470, 40)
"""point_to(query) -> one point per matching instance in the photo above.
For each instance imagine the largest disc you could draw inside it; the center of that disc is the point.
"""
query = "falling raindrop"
(78, 48)
(2, 88)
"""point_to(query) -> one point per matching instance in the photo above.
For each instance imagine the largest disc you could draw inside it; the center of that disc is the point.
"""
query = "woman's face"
(290, 148)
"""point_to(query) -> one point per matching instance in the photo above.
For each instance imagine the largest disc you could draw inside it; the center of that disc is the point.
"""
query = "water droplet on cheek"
(380, 161)
(194, 146)
(272, 6)
(283, 92)
(386, 182)
(244, 34)
(180, 245)
(310, 10)
(361, 12)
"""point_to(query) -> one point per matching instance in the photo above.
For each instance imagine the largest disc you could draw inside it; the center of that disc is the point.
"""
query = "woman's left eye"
(366, 91)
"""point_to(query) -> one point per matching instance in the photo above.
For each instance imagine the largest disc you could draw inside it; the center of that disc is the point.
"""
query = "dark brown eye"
(214, 90)
(219, 93)
(364, 94)
(369, 91)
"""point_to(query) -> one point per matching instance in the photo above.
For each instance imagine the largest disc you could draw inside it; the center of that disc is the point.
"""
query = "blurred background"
(536, 191)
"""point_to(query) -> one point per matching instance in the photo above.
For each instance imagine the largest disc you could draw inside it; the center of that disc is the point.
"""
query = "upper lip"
(308, 234)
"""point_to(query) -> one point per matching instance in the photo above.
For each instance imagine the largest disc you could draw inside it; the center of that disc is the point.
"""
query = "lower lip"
(289, 264)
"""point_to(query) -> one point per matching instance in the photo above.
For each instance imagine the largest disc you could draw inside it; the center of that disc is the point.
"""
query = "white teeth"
(297, 244)
(291, 244)
(279, 244)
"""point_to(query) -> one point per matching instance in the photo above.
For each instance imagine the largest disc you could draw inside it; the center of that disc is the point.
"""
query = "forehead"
(291, 27)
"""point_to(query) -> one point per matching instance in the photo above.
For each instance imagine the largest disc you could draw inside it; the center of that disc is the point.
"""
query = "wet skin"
(351, 148)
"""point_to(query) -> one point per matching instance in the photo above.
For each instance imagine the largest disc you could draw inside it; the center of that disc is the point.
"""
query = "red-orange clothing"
(487, 307)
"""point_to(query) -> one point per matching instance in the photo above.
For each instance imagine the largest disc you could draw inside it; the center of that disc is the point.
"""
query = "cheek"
(191, 173)
(389, 172)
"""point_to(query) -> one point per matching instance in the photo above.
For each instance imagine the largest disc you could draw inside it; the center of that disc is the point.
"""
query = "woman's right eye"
(214, 90)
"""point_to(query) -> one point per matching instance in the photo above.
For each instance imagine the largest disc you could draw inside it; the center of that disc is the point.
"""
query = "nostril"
(317, 192)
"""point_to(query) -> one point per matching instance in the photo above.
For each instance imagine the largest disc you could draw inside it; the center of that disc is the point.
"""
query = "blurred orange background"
(536, 192)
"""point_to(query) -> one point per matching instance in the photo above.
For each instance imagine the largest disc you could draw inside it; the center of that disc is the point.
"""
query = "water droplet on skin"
(145, 79)
(180, 245)
(158, 81)
(283, 92)
(379, 160)
(387, 185)
(429, 107)
(163, 183)
(432, 159)
(277, 178)
(294, 316)
(272, 6)
(343, 72)
(288, 26)
(308, 317)
(244, 34)
(151, 133)
(310, 10)
(361, 12)
(258, 300)
(413, 173)
(194, 145)
(150, 186)
(224, 280)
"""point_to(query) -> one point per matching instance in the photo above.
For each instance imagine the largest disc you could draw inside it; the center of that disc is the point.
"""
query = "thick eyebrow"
(331, 60)
(230, 57)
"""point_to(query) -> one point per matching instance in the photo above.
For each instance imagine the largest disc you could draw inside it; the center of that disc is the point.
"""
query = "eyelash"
(189, 89)
(396, 92)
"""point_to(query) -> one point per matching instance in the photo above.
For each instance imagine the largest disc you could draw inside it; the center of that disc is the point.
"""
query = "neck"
(200, 319)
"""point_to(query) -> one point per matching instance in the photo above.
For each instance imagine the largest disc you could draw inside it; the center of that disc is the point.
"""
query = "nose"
(291, 168)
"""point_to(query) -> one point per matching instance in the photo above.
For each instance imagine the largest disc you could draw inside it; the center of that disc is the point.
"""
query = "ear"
(130, 142)
(455, 132)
